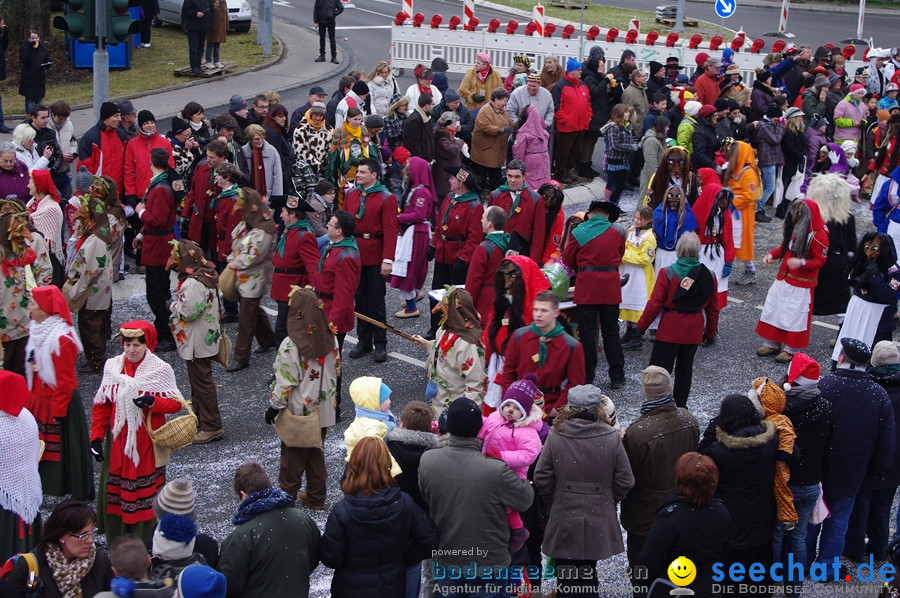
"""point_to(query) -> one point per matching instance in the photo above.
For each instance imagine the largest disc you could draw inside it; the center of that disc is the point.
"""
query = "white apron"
(861, 322)
(664, 259)
(893, 230)
(787, 307)
(494, 394)
(715, 263)
(635, 293)
(737, 229)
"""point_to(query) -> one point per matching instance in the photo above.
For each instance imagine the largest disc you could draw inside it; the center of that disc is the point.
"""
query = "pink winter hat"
(523, 393)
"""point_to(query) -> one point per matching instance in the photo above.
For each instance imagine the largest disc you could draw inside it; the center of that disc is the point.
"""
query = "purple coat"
(531, 147)
(814, 140)
(15, 182)
(418, 208)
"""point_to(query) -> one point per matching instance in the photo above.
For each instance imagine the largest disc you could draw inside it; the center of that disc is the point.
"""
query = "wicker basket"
(176, 433)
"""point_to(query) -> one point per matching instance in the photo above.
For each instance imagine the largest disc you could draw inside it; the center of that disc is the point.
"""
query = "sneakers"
(220, 65)
(784, 357)
(209, 65)
(321, 58)
(145, 45)
(762, 217)
(746, 278)
(407, 314)
(766, 351)
(517, 539)
(204, 437)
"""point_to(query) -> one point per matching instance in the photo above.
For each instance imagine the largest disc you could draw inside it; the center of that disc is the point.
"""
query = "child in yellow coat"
(372, 398)
(637, 263)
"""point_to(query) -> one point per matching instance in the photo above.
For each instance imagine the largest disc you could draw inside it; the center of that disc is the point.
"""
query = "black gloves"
(271, 414)
(430, 252)
(97, 450)
(184, 226)
(145, 401)
(477, 97)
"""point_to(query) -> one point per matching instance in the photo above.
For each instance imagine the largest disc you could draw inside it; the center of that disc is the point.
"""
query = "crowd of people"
(518, 454)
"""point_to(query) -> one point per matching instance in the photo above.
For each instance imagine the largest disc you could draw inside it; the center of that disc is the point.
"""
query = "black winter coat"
(793, 146)
(864, 437)
(407, 447)
(370, 541)
(888, 377)
(4, 46)
(705, 145)
(683, 529)
(746, 462)
(418, 136)
(832, 293)
(282, 144)
(598, 86)
(189, 11)
(466, 120)
(325, 11)
(811, 416)
(33, 82)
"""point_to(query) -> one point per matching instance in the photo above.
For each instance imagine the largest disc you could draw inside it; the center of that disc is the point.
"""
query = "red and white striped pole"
(634, 24)
(862, 14)
(537, 15)
(408, 7)
(468, 12)
(782, 21)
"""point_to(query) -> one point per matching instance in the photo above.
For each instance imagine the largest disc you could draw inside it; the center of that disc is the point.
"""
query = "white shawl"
(20, 483)
(43, 344)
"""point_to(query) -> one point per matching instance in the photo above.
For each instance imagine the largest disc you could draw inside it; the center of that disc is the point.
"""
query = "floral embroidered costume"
(55, 402)
(131, 396)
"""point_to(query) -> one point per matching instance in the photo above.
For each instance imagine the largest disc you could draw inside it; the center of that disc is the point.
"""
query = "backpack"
(33, 585)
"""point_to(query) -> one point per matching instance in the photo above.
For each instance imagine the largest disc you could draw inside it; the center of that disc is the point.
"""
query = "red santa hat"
(803, 371)
(15, 392)
(50, 299)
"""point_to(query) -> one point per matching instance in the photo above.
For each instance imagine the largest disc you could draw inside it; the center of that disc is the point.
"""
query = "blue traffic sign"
(725, 8)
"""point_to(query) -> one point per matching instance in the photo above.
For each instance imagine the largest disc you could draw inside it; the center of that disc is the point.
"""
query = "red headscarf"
(43, 182)
(51, 300)
(401, 155)
(145, 327)
(15, 392)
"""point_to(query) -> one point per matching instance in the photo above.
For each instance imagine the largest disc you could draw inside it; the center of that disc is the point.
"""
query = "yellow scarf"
(354, 131)
(312, 123)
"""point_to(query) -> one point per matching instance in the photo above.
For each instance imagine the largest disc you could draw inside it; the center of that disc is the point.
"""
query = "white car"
(239, 14)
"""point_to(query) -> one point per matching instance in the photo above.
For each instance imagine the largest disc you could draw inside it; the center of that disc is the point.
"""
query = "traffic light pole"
(101, 60)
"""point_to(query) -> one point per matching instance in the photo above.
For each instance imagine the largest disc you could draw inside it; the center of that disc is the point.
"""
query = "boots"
(321, 58)
(635, 342)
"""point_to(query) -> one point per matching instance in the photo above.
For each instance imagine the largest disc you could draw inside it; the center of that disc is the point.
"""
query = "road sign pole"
(858, 40)
(679, 17)
(100, 60)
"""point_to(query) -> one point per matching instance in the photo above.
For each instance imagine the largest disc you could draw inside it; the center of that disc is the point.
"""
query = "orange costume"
(773, 399)
(745, 179)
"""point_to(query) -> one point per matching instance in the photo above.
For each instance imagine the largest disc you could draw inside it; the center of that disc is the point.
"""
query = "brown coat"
(488, 143)
(219, 31)
(583, 471)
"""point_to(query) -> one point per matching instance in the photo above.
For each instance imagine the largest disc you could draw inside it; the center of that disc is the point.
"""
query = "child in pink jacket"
(513, 435)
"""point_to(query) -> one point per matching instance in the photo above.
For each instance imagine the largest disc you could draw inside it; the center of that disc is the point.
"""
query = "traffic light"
(78, 20)
(119, 24)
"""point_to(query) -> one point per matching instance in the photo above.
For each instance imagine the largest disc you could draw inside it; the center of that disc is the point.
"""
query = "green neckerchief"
(465, 197)
(346, 242)
(500, 239)
(558, 330)
(595, 226)
(684, 265)
(212, 186)
(377, 187)
(230, 192)
(157, 178)
(301, 223)
(516, 195)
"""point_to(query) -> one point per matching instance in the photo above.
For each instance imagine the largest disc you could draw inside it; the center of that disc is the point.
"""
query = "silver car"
(239, 14)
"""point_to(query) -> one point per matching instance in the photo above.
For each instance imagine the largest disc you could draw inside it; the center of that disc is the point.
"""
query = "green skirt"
(112, 525)
(11, 528)
(73, 474)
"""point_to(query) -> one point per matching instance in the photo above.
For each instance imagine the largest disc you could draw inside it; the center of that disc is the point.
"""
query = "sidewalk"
(294, 68)
(814, 7)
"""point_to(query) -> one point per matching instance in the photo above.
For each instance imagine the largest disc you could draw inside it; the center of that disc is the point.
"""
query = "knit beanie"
(701, 59)
(201, 581)
(721, 104)
(817, 121)
(360, 88)
(820, 82)
(803, 371)
(384, 393)
(145, 116)
(572, 65)
(463, 418)
(83, 179)
(317, 108)
(374, 121)
(706, 110)
(885, 353)
(655, 67)
(522, 393)
(174, 537)
(179, 125)
(108, 109)
(585, 396)
(451, 96)
(856, 88)
(401, 154)
(323, 187)
(883, 114)
(483, 57)
(692, 107)
(774, 111)
(657, 382)
(175, 498)
(236, 103)
(849, 146)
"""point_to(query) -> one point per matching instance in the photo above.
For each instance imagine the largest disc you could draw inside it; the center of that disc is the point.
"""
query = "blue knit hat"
(384, 393)
(572, 65)
(200, 581)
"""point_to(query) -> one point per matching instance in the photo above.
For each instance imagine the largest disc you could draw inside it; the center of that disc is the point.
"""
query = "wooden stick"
(383, 325)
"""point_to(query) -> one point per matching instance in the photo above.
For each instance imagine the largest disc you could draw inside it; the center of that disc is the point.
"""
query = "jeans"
(618, 178)
(212, 52)
(871, 517)
(768, 180)
(414, 580)
(30, 102)
(804, 501)
(833, 529)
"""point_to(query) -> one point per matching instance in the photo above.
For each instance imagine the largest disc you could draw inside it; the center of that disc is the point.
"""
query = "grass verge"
(151, 69)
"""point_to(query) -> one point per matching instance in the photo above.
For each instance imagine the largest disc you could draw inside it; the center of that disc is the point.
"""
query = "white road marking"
(375, 13)
(282, 3)
(733, 300)
(351, 27)
(410, 360)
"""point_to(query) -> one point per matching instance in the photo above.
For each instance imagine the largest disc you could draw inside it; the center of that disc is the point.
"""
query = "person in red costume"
(138, 390)
(53, 346)
(787, 313)
(482, 273)
(714, 227)
(521, 280)
(525, 209)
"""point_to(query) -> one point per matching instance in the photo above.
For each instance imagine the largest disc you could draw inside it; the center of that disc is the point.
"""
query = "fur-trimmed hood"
(746, 437)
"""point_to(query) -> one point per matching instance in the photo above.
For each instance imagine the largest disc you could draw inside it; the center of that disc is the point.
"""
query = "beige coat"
(488, 144)
(471, 84)
(251, 256)
(583, 472)
(195, 320)
(302, 385)
(91, 272)
(218, 32)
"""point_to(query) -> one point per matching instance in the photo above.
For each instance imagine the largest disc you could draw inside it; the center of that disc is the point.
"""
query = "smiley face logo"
(682, 571)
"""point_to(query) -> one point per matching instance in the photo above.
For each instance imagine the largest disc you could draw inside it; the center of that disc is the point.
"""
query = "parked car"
(239, 14)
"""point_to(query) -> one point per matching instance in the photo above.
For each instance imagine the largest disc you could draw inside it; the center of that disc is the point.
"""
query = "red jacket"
(480, 277)
(137, 162)
(299, 264)
(458, 231)
(707, 88)
(337, 281)
(376, 231)
(102, 145)
(528, 219)
(676, 326)
(597, 267)
(572, 102)
(564, 364)
(158, 224)
(226, 220)
(805, 276)
(201, 204)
